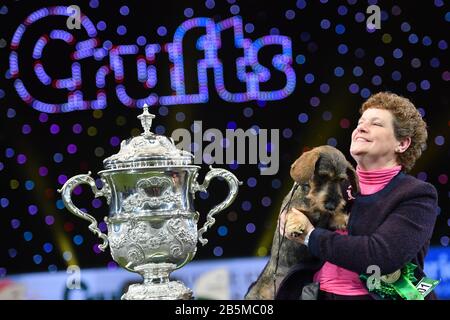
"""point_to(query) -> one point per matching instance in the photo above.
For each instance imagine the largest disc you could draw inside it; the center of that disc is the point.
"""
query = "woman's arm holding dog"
(390, 247)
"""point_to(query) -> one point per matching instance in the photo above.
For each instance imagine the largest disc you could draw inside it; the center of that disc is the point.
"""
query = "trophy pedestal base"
(173, 290)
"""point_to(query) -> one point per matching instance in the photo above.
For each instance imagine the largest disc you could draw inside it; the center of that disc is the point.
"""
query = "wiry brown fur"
(319, 174)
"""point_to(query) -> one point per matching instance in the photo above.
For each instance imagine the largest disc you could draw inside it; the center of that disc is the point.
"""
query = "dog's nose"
(330, 206)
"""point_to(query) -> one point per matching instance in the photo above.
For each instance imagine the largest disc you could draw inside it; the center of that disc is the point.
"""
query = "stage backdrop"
(291, 74)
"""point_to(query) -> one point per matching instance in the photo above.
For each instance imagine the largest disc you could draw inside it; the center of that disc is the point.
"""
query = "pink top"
(341, 281)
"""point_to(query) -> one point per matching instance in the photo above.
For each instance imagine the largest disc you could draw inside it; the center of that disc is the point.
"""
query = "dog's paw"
(295, 224)
(338, 221)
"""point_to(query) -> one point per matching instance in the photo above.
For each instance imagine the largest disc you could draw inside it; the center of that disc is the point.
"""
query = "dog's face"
(324, 176)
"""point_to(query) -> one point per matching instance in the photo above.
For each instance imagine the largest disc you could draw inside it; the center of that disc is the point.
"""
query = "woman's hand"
(294, 225)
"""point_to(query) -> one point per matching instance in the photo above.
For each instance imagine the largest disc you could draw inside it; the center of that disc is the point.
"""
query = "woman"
(393, 217)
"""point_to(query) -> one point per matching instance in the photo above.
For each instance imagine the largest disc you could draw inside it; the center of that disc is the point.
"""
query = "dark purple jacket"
(388, 228)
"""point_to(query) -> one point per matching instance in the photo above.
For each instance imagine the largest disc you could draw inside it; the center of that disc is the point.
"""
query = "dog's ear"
(353, 178)
(303, 168)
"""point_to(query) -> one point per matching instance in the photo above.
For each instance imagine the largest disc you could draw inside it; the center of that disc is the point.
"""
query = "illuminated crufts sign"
(249, 70)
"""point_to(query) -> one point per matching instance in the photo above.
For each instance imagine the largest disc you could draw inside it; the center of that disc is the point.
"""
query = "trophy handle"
(66, 192)
(233, 184)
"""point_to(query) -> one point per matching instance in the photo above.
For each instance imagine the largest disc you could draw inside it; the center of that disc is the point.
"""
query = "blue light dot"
(234, 9)
(426, 41)
(124, 10)
(439, 140)
(396, 76)
(121, 30)
(52, 268)
(12, 253)
(342, 10)
(162, 31)
(27, 235)
(218, 251)
(2, 166)
(340, 29)
(266, 201)
(287, 133)
(415, 63)
(11, 113)
(342, 49)
(160, 129)
(250, 227)
(309, 78)
(398, 53)
(421, 111)
(325, 88)
(376, 80)
(411, 87)
(413, 39)
(246, 206)
(59, 204)
(248, 112)
(425, 84)
(29, 185)
(332, 142)
(2, 93)
(188, 12)
(303, 118)
(353, 88)
(4, 202)
(422, 176)
(338, 71)
(232, 125)
(48, 247)
(164, 111)
(274, 31)
(290, 14)
(101, 25)
(357, 71)
(9, 152)
(15, 223)
(405, 27)
(365, 93)
(360, 17)
(249, 27)
(58, 157)
(435, 63)
(141, 40)
(251, 182)
(443, 45)
(314, 101)
(444, 241)
(37, 258)
(325, 24)
(222, 231)
(438, 3)
(93, 4)
(78, 239)
(180, 116)
(300, 59)
(210, 4)
(379, 61)
(276, 183)
(327, 115)
(301, 4)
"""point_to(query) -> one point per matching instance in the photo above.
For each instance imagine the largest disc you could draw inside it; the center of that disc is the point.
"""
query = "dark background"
(39, 234)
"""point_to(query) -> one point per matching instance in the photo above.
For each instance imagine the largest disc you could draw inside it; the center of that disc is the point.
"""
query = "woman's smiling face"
(373, 140)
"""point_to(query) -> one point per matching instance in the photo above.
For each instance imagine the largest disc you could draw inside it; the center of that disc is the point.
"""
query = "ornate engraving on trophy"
(151, 194)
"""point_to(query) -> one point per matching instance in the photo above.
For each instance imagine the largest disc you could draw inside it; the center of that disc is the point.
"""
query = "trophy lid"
(147, 150)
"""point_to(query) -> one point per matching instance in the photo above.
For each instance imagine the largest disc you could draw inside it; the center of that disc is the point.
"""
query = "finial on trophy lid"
(146, 120)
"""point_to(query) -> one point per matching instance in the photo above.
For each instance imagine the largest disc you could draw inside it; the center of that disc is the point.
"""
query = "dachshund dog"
(323, 179)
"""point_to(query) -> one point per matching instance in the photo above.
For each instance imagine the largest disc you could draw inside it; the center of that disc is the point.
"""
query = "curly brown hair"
(407, 123)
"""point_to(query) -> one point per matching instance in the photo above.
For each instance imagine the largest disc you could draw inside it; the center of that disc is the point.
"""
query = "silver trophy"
(152, 224)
